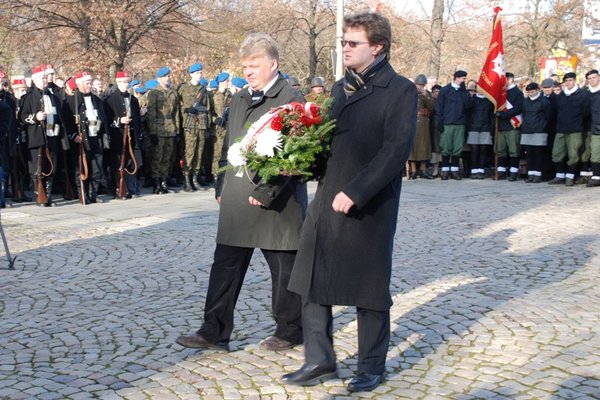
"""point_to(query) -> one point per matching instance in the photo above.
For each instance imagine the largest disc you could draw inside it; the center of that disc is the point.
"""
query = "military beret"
(285, 76)
(213, 84)
(532, 86)
(195, 68)
(460, 73)
(164, 71)
(222, 77)
(569, 75)
(204, 82)
(592, 72)
(122, 74)
(547, 83)
(510, 75)
(151, 84)
(134, 83)
(140, 90)
(238, 82)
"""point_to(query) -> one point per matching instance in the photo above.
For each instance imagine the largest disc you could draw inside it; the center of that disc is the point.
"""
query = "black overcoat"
(115, 109)
(277, 225)
(99, 142)
(347, 259)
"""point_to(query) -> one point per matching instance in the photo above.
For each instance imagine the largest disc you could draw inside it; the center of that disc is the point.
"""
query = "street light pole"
(339, 61)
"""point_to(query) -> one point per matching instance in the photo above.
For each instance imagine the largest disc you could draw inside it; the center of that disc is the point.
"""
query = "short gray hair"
(257, 44)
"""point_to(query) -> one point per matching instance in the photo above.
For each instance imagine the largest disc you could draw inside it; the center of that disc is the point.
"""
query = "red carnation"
(314, 109)
(277, 123)
(306, 120)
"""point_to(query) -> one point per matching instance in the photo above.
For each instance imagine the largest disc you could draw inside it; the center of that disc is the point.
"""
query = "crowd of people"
(546, 132)
(77, 139)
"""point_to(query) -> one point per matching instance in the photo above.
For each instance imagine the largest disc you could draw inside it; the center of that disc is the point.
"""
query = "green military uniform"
(163, 126)
(195, 109)
(313, 97)
(221, 102)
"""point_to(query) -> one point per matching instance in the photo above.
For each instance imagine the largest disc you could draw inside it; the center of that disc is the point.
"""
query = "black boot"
(156, 189)
(49, 184)
(187, 185)
(164, 187)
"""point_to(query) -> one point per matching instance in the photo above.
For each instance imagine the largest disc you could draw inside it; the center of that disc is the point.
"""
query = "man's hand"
(125, 120)
(78, 139)
(40, 116)
(342, 203)
(218, 198)
(254, 202)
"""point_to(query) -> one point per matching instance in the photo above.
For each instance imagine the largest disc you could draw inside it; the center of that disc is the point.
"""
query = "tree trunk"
(437, 38)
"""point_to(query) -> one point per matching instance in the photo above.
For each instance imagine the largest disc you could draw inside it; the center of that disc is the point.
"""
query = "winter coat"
(347, 259)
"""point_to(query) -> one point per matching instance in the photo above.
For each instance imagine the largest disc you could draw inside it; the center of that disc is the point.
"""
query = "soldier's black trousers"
(224, 285)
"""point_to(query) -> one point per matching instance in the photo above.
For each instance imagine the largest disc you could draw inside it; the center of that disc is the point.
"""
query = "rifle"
(83, 163)
(126, 148)
(42, 197)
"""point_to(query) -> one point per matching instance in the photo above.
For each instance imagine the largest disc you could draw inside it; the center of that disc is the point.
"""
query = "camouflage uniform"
(221, 102)
(194, 126)
(313, 97)
(163, 126)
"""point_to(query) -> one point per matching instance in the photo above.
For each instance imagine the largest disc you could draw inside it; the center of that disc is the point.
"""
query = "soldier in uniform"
(317, 91)
(572, 109)
(451, 108)
(163, 127)
(123, 111)
(594, 89)
(90, 137)
(42, 115)
(221, 100)
(195, 109)
(18, 146)
(508, 147)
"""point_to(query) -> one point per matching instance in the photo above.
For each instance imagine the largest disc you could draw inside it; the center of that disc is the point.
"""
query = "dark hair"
(377, 27)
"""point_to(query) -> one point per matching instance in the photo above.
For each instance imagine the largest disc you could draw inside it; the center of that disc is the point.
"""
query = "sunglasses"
(352, 43)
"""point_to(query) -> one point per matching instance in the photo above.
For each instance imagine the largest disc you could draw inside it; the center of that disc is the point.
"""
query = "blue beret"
(222, 77)
(133, 83)
(140, 90)
(195, 68)
(238, 82)
(164, 71)
(151, 84)
(204, 81)
(213, 84)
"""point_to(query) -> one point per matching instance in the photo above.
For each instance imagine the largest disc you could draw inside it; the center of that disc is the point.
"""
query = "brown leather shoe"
(200, 342)
(274, 343)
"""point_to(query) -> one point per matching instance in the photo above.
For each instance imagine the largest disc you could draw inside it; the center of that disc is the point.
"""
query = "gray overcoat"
(347, 259)
(277, 225)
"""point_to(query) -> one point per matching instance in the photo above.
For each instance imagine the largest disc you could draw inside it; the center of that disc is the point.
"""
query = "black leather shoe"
(274, 343)
(310, 375)
(512, 177)
(455, 175)
(200, 342)
(364, 382)
(593, 183)
(557, 181)
(445, 175)
(425, 175)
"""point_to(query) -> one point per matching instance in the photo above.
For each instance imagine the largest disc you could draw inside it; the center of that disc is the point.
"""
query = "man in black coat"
(254, 214)
(593, 78)
(345, 253)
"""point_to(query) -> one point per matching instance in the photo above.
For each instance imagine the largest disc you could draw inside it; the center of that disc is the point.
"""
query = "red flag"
(492, 81)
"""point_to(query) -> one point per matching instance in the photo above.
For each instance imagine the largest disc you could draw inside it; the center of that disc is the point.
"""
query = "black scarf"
(353, 80)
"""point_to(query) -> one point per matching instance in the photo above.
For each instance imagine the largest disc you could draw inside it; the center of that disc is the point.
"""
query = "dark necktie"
(257, 96)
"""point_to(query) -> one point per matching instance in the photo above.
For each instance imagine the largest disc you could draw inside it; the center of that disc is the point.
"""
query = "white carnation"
(235, 156)
(267, 141)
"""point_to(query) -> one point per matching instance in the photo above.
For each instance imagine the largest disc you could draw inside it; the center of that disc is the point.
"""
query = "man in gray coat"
(345, 253)
(254, 214)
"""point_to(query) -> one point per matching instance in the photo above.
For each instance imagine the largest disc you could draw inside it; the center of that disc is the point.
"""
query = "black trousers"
(373, 337)
(224, 285)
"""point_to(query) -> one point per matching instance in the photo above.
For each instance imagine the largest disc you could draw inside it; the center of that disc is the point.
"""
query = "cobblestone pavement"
(495, 288)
